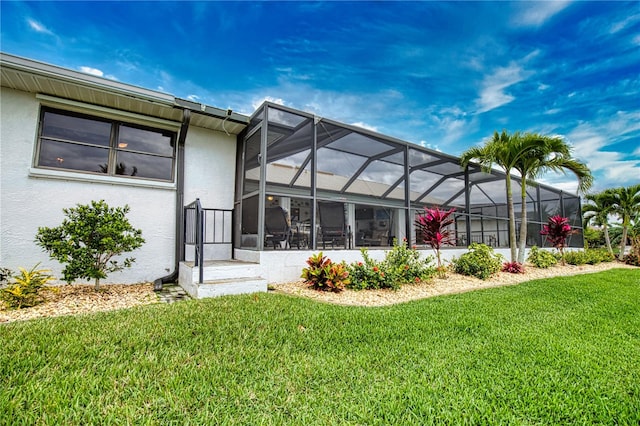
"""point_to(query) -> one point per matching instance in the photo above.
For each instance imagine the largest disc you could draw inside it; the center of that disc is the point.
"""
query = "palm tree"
(540, 154)
(598, 212)
(501, 151)
(626, 204)
(530, 154)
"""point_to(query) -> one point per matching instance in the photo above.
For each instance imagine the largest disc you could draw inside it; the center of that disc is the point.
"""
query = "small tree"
(557, 230)
(88, 239)
(433, 229)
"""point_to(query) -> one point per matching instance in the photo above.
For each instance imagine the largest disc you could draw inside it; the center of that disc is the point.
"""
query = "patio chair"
(332, 224)
(277, 227)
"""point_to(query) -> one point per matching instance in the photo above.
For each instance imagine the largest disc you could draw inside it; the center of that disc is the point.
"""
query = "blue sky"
(442, 74)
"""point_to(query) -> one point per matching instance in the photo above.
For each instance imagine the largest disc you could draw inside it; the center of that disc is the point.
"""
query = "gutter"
(179, 237)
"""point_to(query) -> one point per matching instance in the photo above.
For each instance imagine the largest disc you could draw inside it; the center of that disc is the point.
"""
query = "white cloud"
(535, 14)
(193, 98)
(92, 71)
(365, 126)
(493, 94)
(590, 145)
(621, 25)
(38, 27)
(257, 102)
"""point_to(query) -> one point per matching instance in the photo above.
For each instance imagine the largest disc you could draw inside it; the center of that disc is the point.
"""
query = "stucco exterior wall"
(30, 198)
(210, 159)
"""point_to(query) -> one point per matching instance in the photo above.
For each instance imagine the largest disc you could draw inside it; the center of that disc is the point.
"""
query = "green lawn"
(557, 351)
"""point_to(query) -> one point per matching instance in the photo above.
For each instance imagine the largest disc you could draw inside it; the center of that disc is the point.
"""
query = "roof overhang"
(41, 78)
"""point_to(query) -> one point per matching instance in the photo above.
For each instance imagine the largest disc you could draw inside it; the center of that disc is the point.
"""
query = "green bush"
(480, 261)
(541, 258)
(577, 257)
(595, 256)
(401, 265)
(25, 289)
(89, 238)
(322, 274)
(404, 265)
(369, 274)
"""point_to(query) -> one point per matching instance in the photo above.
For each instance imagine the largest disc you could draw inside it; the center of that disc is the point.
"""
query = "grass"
(555, 351)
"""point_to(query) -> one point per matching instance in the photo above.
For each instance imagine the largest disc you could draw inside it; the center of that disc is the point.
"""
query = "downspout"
(179, 235)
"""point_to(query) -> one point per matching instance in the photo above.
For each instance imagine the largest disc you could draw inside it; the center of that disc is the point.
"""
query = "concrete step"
(229, 286)
(223, 270)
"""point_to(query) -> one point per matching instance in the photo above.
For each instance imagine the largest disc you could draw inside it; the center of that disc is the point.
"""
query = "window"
(78, 142)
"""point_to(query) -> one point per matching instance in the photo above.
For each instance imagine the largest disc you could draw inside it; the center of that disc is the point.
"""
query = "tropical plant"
(541, 258)
(404, 265)
(541, 154)
(556, 231)
(633, 257)
(25, 289)
(598, 209)
(530, 154)
(480, 261)
(513, 267)
(322, 274)
(501, 151)
(89, 238)
(626, 204)
(433, 229)
(369, 274)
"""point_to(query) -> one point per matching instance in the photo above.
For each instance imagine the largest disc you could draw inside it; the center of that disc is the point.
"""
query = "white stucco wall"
(210, 159)
(30, 198)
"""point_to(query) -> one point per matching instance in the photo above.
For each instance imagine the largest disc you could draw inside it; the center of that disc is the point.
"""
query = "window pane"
(73, 156)
(142, 165)
(77, 129)
(155, 142)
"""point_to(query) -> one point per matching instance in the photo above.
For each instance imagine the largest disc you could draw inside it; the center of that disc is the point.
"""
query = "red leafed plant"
(432, 229)
(322, 274)
(513, 267)
(557, 230)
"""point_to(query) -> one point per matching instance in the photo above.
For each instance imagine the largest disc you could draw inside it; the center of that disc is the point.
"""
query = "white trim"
(87, 177)
(108, 112)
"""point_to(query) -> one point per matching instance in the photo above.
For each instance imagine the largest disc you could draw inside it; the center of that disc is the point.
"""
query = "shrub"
(24, 291)
(513, 267)
(577, 257)
(370, 274)
(87, 240)
(403, 264)
(432, 229)
(541, 258)
(633, 257)
(324, 275)
(595, 256)
(480, 261)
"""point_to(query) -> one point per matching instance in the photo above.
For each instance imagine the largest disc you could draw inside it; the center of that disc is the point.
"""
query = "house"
(271, 188)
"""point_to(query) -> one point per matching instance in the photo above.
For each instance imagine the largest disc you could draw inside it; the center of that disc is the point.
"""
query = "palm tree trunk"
(97, 286)
(523, 223)
(512, 218)
(623, 243)
(607, 240)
